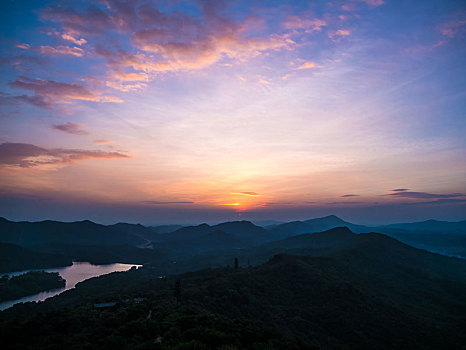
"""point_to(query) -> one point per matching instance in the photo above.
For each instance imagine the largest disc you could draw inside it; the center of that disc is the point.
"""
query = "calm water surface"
(78, 272)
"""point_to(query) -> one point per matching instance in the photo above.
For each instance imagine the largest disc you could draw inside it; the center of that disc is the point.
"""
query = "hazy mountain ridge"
(119, 242)
(80, 232)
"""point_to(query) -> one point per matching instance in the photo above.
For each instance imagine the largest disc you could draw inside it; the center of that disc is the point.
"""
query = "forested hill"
(81, 232)
(372, 293)
(16, 258)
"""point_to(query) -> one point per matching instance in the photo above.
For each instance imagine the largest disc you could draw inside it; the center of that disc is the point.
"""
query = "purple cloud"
(71, 128)
(49, 92)
(425, 195)
(26, 155)
(162, 202)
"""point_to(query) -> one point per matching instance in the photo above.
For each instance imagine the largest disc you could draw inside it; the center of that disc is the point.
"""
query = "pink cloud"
(339, 33)
(166, 41)
(295, 22)
(127, 81)
(102, 142)
(62, 50)
(227, 42)
(307, 65)
(23, 46)
(75, 41)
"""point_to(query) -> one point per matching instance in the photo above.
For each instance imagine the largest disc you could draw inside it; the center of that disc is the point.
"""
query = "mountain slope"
(431, 226)
(315, 225)
(191, 240)
(16, 258)
(370, 292)
(81, 232)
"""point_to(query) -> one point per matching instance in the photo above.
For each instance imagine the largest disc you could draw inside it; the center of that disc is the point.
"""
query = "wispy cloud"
(27, 155)
(425, 195)
(62, 50)
(350, 195)
(250, 194)
(346, 203)
(23, 62)
(102, 142)
(168, 202)
(47, 93)
(71, 38)
(296, 22)
(373, 3)
(452, 28)
(446, 201)
(71, 128)
(339, 33)
(307, 65)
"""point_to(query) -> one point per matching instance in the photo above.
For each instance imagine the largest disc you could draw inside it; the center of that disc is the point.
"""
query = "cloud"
(339, 33)
(75, 41)
(62, 50)
(295, 22)
(307, 65)
(350, 195)
(101, 142)
(162, 202)
(27, 155)
(38, 101)
(346, 203)
(373, 3)
(166, 41)
(47, 93)
(23, 46)
(437, 202)
(269, 204)
(424, 195)
(91, 21)
(127, 81)
(452, 28)
(400, 189)
(351, 5)
(250, 194)
(70, 128)
(23, 62)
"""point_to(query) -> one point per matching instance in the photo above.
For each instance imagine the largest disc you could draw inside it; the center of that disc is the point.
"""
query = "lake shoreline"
(78, 272)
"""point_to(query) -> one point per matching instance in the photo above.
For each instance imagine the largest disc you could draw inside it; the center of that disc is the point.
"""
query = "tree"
(177, 292)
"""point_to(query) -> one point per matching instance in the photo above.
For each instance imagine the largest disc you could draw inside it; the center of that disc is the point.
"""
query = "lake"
(78, 272)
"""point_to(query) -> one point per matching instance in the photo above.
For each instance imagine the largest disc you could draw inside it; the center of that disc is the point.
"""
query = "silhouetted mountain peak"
(329, 220)
(242, 223)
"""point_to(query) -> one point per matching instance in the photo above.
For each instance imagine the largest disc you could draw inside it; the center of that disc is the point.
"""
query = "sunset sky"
(192, 111)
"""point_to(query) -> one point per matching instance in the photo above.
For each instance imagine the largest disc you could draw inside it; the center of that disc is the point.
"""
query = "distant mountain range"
(80, 232)
(122, 242)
